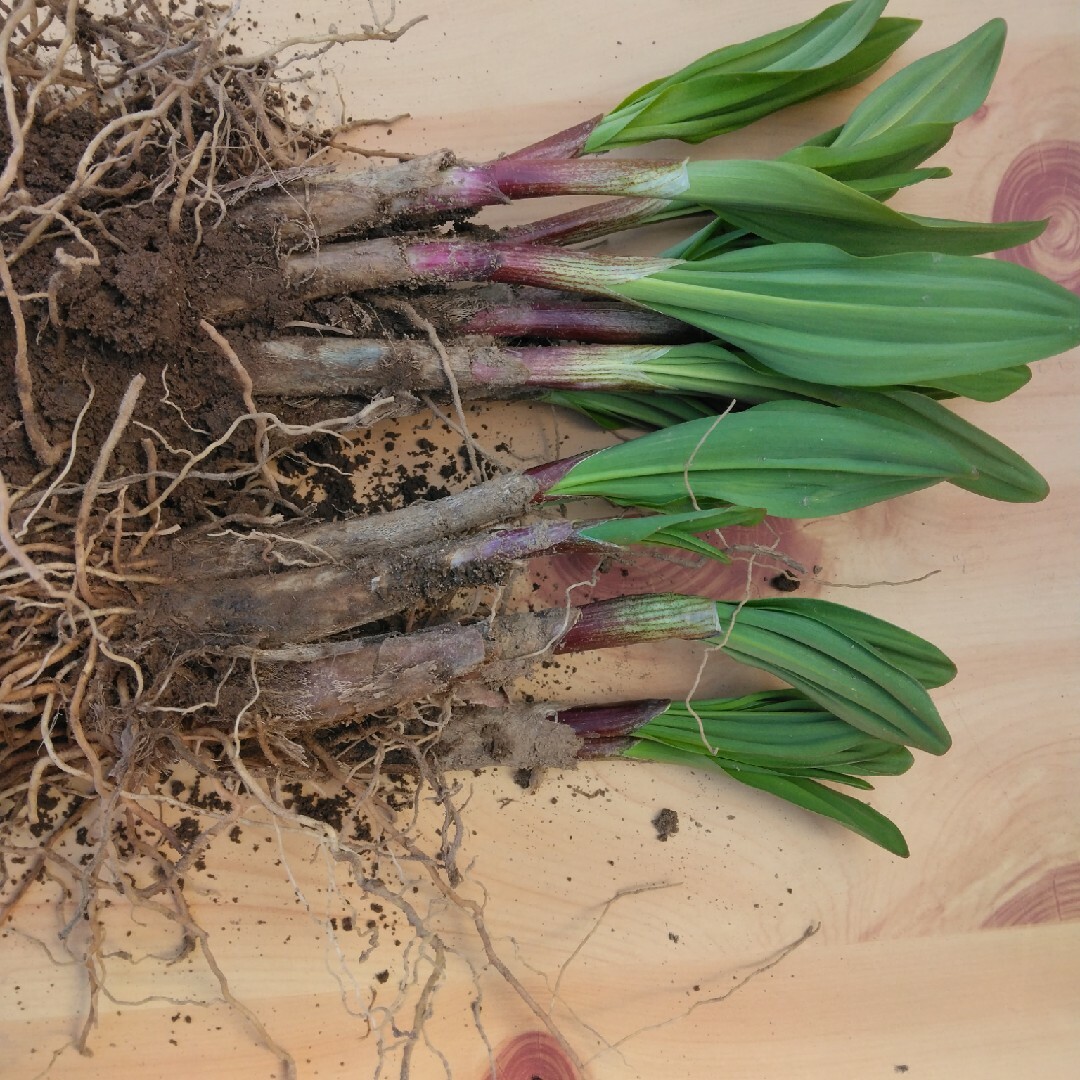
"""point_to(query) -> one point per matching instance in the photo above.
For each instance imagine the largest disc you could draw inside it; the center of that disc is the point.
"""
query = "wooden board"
(963, 961)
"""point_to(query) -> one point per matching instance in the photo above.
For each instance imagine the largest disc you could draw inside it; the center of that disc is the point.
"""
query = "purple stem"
(524, 264)
(583, 320)
(526, 542)
(579, 367)
(568, 143)
(629, 620)
(605, 748)
(469, 187)
(586, 223)
(390, 263)
(548, 475)
(610, 721)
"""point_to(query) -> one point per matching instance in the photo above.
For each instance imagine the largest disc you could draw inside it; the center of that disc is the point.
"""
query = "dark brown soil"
(666, 824)
(138, 311)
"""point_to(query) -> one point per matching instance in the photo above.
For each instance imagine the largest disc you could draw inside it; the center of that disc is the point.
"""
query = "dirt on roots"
(127, 419)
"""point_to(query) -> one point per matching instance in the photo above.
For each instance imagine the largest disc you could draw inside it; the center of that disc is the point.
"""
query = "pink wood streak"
(533, 1055)
(1043, 181)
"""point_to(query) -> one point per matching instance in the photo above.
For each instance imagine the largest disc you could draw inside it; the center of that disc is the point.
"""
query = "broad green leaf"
(946, 86)
(889, 761)
(921, 660)
(673, 530)
(1000, 473)
(995, 471)
(847, 677)
(794, 459)
(911, 115)
(734, 86)
(820, 314)
(789, 203)
(877, 168)
(718, 236)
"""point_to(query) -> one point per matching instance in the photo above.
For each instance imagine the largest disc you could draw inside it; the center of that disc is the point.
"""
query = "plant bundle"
(794, 357)
(169, 596)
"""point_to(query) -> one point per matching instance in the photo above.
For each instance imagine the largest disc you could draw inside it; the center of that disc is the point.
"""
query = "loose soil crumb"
(666, 824)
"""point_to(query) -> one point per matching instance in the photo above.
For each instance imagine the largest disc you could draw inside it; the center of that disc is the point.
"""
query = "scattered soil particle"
(666, 824)
(785, 581)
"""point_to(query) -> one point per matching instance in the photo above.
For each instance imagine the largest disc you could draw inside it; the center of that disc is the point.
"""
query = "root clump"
(156, 543)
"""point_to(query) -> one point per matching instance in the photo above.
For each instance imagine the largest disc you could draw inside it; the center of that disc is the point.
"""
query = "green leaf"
(802, 792)
(775, 729)
(995, 471)
(714, 238)
(617, 410)
(708, 368)
(899, 125)
(819, 799)
(844, 675)
(795, 459)
(718, 236)
(946, 86)
(728, 765)
(890, 151)
(986, 385)
(631, 408)
(831, 775)
(789, 203)
(820, 314)
(885, 187)
(808, 650)
(912, 654)
(734, 86)
(911, 115)
(999, 473)
(673, 530)
(890, 761)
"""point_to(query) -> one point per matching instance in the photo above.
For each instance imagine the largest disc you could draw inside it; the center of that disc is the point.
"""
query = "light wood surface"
(962, 961)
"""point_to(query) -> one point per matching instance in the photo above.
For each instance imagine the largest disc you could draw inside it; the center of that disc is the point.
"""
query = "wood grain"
(962, 961)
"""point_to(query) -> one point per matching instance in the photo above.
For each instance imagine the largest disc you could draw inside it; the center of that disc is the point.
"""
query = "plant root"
(178, 599)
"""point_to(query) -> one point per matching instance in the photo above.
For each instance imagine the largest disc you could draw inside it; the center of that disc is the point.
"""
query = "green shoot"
(734, 86)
